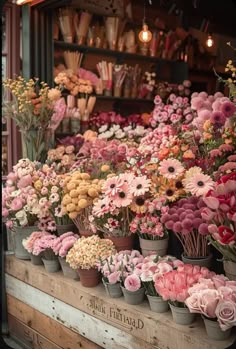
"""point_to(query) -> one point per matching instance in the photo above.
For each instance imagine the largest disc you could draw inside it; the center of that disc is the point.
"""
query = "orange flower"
(207, 125)
(163, 153)
(145, 117)
(228, 140)
(184, 147)
(207, 135)
(175, 149)
(188, 154)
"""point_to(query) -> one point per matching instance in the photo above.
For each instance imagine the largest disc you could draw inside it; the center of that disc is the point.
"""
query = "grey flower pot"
(133, 298)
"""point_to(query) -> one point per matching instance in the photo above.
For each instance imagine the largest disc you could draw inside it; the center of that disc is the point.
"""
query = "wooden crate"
(64, 304)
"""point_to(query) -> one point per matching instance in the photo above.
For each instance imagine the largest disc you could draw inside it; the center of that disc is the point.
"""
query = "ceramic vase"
(181, 316)
(135, 297)
(157, 246)
(157, 304)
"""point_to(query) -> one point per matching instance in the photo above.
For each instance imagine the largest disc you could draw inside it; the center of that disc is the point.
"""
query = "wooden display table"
(48, 311)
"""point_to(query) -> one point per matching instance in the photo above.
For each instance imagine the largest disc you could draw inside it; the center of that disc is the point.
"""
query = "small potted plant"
(214, 298)
(110, 269)
(29, 245)
(153, 236)
(44, 246)
(173, 287)
(152, 268)
(132, 288)
(85, 255)
(61, 247)
(184, 218)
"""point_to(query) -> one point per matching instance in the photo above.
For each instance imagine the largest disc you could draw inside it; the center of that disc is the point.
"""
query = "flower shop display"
(85, 255)
(152, 268)
(152, 235)
(220, 215)
(215, 299)
(61, 247)
(37, 111)
(112, 213)
(29, 245)
(44, 247)
(174, 287)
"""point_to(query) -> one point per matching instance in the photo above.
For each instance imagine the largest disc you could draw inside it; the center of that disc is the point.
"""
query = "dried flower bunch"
(33, 102)
(70, 81)
(87, 251)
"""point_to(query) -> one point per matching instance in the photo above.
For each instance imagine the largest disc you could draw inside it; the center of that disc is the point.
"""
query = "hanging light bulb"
(209, 41)
(22, 2)
(145, 35)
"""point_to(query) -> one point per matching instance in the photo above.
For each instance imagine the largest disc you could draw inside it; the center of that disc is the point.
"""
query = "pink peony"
(114, 277)
(132, 283)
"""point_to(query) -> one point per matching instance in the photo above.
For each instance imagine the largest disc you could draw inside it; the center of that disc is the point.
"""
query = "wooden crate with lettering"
(109, 323)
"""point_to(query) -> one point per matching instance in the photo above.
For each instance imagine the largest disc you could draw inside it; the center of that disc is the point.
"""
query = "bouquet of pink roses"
(214, 298)
(220, 215)
(174, 285)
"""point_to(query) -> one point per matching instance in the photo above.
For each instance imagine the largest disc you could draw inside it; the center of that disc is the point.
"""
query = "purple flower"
(218, 118)
(228, 109)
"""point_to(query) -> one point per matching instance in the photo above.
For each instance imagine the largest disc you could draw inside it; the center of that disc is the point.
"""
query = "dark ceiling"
(221, 14)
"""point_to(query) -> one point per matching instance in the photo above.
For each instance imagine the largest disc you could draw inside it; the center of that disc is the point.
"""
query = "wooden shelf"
(33, 294)
(124, 99)
(121, 55)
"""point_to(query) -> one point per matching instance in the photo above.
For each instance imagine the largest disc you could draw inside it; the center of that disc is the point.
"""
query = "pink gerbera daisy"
(140, 185)
(127, 177)
(123, 197)
(171, 168)
(112, 185)
(199, 184)
(101, 207)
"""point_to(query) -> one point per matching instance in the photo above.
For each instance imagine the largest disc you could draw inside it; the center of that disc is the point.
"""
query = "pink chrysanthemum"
(140, 186)
(199, 184)
(171, 168)
(112, 185)
(228, 109)
(218, 118)
(123, 198)
(132, 283)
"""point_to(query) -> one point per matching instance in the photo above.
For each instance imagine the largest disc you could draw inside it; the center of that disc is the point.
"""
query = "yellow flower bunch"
(80, 192)
(87, 251)
(230, 68)
(32, 104)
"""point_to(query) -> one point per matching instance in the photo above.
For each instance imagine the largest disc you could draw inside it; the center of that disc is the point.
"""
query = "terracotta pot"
(68, 272)
(230, 269)
(89, 277)
(122, 243)
(19, 234)
(214, 331)
(86, 233)
(157, 246)
(65, 228)
(181, 316)
(201, 261)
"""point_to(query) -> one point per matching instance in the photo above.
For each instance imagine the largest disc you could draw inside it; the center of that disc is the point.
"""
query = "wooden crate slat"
(95, 330)
(42, 324)
(28, 336)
